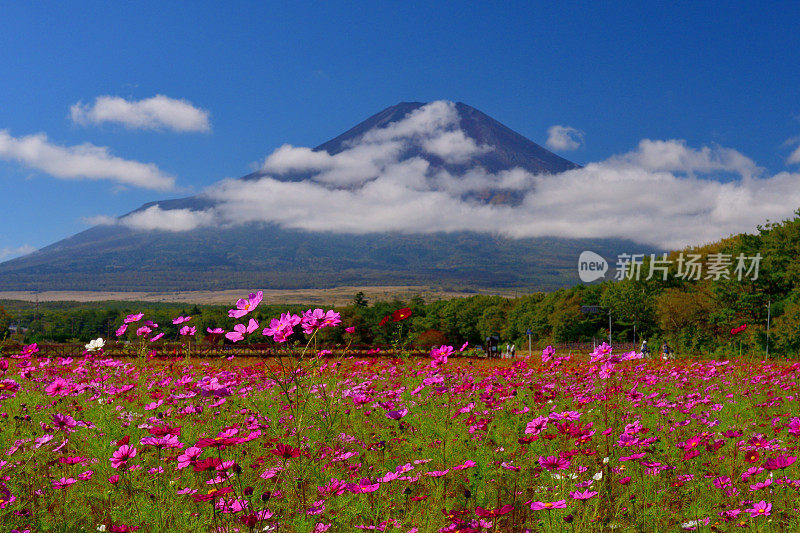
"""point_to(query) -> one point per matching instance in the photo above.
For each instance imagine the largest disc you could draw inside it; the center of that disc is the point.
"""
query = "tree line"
(696, 316)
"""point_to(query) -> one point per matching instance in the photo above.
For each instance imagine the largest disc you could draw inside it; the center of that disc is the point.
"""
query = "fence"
(118, 349)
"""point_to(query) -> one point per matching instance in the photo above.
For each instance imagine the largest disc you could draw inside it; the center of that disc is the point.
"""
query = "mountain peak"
(507, 148)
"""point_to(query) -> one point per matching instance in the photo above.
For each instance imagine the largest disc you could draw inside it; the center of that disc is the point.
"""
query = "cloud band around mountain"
(663, 193)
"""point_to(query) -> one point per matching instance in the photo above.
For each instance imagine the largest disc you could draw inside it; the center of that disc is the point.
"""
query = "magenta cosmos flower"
(121, 456)
(780, 462)
(133, 318)
(244, 306)
(542, 506)
(440, 354)
(281, 329)
(548, 353)
(536, 426)
(554, 463)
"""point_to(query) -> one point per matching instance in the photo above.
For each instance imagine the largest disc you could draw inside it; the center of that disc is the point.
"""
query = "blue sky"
(268, 74)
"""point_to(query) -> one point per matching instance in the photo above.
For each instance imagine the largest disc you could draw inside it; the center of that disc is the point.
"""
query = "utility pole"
(529, 333)
(769, 309)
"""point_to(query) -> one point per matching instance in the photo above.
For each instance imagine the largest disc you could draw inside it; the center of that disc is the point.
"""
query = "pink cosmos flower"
(86, 476)
(585, 495)
(240, 330)
(144, 330)
(552, 462)
(569, 416)
(440, 355)
(351, 329)
(547, 354)
(761, 508)
(331, 319)
(133, 318)
(165, 441)
(281, 329)
(335, 487)
(464, 346)
(317, 508)
(536, 426)
(312, 320)
(64, 482)
(215, 331)
(364, 485)
(188, 330)
(181, 320)
(121, 456)
(156, 337)
(121, 330)
(469, 463)
(59, 387)
(63, 422)
(189, 457)
(540, 506)
(244, 306)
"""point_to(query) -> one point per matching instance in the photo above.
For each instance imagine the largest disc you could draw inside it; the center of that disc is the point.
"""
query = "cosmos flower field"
(329, 442)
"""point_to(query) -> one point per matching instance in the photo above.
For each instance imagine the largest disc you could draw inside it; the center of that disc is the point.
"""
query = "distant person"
(666, 351)
(508, 351)
(645, 350)
(513, 351)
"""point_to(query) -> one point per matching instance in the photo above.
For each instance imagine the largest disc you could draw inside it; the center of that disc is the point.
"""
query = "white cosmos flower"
(95, 345)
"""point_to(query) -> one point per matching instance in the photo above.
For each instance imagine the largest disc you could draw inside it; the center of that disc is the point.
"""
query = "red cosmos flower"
(751, 456)
(492, 513)
(206, 464)
(124, 440)
(218, 442)
(286, 451)
(385, 320)
(161, 431)
(401, 314)
(739, 329)
(71, 460)
(212, 494)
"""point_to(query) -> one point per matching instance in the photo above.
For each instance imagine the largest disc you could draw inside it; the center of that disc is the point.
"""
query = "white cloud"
(433, 128)
(794, 157)
(674, 156)
(101, 220)
(10, 253)
(85, 161)
(158, 112)
(564, 138)
(167, 219)
(663, 193)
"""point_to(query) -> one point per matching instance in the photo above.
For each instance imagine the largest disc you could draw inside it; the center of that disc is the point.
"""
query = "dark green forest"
(695, 316)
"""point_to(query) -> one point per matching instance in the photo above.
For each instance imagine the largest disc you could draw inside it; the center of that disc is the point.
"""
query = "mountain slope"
(269, 255)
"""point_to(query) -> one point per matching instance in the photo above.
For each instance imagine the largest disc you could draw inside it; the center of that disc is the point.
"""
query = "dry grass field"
(331, 297)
